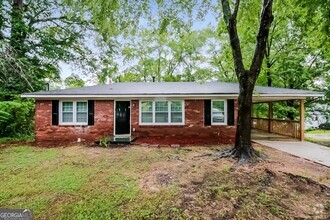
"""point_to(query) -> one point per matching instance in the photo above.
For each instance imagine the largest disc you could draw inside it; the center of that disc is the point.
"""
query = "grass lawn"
(23, 138)
(318, 136)
(80, 182)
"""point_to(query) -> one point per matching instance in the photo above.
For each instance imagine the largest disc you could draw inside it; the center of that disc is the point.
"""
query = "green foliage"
(260, 110)
(324, 126)
(35, 37)
(17, 138)
(168, 56)
(104, 142)
(286, 110)
(17, 74)
(128, 77)
(16, 118)
(4, 115)
(74, 81)
(281, 110)
(294, 58)
(315, 8)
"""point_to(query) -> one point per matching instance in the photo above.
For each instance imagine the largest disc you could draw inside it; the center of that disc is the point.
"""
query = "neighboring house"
(162, 112)
(317, 115)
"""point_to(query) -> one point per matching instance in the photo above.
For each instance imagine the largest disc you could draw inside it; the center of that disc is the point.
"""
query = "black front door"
(123, 117)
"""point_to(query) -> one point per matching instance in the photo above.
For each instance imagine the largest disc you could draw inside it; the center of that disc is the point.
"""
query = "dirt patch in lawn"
(282, 186)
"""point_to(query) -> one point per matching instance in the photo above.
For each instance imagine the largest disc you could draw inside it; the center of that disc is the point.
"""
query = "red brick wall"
(45, 131)
(193, 132)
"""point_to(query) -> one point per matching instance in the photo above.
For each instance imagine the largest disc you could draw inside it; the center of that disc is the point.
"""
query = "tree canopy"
(35, 37)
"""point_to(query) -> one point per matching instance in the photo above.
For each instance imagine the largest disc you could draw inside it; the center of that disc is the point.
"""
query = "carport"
(289, 128)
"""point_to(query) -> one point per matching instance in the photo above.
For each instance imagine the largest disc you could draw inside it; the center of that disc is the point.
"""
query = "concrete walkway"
(304, 149)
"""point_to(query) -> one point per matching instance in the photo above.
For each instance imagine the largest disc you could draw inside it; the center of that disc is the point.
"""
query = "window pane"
(218, 112)
(146, 117)
(161, 106)
(146, 106)
(176, 106)
(82, 117)
(218, 117)
(67, 117)
(81, 106)
(161, 117)
(176, 117)
(67, 106)
(219, 105)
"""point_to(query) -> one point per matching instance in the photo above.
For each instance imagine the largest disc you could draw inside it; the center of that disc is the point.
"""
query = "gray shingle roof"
(166, 88)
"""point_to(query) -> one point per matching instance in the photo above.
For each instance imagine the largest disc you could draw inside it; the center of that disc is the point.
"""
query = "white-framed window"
(219, 112)
(73, 112)
(161, 112)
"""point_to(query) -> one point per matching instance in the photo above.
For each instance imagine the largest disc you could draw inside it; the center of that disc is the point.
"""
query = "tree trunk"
(158, 66)
(243, 145)
(2, 19)
(247, 78)
(269, 77)
(290, 104)
(18, 27)
(290, 114)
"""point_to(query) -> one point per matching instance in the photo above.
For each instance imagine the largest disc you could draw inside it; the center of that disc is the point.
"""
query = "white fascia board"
(127, 96)
(193, 96)
(289, 95)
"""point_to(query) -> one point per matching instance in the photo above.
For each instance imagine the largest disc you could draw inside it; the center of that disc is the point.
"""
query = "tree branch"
(32, 22)
(230, 20)
(236, 9)
(313, 59)
(272, 62)
(266, 19)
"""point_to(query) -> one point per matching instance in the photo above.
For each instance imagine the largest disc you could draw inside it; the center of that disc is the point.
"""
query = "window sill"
(161, 125)
(73, 125)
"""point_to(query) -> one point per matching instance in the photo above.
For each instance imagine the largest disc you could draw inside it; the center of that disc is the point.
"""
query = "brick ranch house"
(165, 112)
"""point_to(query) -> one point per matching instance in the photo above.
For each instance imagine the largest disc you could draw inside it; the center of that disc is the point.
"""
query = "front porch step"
(117, 140)
(121, 139)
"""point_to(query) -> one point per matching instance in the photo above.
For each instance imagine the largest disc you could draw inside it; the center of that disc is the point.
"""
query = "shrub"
(325, 126)
(104, 142)
(16, 118)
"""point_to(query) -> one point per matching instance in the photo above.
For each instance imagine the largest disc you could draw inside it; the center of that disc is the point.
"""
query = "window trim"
(154, 112)
(224, 109)
(74, 122)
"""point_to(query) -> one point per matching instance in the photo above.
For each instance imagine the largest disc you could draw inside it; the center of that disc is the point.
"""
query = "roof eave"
(52, 96)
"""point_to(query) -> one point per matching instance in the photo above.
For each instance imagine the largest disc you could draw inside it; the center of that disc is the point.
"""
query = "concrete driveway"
(315, 152)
